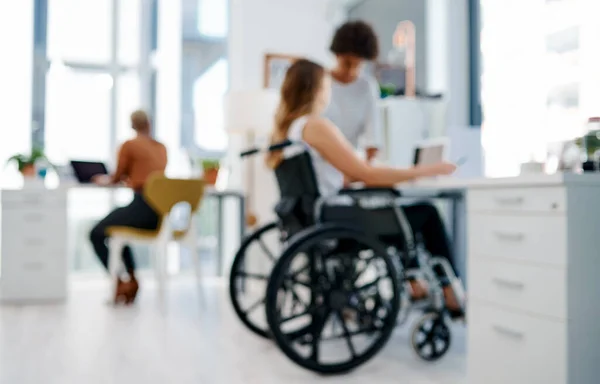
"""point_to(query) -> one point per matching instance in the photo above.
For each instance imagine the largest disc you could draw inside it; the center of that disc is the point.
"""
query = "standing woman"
(354, 97)
(354, 94)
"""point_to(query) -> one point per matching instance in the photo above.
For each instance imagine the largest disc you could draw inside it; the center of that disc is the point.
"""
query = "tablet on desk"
(431, 151)
(85, 170)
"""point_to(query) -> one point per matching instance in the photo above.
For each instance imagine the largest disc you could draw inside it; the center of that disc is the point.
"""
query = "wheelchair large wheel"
(250, 272)
(332, 299)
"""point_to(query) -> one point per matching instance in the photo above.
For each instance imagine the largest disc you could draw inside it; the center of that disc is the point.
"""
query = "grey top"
(354, 110)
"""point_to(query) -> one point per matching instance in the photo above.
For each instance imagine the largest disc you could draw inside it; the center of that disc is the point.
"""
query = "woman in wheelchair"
(304, 96)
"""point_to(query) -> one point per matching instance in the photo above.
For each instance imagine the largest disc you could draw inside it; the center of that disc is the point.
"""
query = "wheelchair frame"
(301, 227)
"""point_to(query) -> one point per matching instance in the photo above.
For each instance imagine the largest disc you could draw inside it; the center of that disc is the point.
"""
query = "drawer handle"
(34, 217)
(510, 200)
(34, 266)
(508, 283)
(508, 332)
(511, 236)
(34, 242)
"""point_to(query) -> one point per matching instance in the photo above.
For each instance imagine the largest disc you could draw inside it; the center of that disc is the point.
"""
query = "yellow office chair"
(162, 194)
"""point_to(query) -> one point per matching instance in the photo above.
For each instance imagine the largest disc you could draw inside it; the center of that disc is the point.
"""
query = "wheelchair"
(338, 273)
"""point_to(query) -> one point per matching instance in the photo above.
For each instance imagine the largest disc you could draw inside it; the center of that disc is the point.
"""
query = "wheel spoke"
(318, 324)
(347, 335)
(361, 331)
(255, 276)
(309, 311)
(357, 274)
(297, 300)
(266, 250)
(366, 286)
(254, 306)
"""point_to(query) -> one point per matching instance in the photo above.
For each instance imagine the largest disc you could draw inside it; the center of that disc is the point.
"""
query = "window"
(80, 31)
(213, 18)
(16, 39)
(78, 115)
(130, 31)
(128, 100)
(209, 92)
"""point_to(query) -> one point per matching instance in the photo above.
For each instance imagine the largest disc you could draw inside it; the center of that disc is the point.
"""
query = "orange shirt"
(138, 159)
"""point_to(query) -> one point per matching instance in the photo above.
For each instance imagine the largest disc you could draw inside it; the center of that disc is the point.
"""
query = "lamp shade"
(250, 111)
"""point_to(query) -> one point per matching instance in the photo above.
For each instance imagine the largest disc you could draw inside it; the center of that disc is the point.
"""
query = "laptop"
(85, 170)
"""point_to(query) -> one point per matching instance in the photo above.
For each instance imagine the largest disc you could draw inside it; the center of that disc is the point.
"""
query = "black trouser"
(426, 221)
(138, 214)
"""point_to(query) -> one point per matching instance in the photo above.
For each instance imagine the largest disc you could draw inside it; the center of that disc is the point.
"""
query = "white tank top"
(329, 179)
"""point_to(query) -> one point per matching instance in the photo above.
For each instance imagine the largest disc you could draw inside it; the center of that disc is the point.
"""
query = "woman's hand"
(101, 180)
(441, 169)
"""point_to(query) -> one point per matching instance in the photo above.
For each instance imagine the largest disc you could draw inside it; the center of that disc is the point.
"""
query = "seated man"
(304, 95)
(138, 158)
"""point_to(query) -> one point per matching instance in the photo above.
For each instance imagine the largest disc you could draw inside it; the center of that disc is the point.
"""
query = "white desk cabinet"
(534, 280)
(34, 251)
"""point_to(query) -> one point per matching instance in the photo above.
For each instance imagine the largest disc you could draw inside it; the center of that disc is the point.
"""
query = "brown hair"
(356, 38)
(300, 87)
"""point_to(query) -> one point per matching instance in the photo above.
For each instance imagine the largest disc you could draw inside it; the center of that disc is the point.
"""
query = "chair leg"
(115, 263)
(191, 245)
(160, 267)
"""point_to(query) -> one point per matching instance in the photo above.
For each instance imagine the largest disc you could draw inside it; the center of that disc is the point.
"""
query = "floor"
(193, 337)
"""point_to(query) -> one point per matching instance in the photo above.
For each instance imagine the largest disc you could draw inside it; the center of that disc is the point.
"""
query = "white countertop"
(67, 186)
(440, 183)
(507, 182)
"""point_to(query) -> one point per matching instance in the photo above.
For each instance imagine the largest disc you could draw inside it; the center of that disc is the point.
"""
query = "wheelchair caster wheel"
(431, 337)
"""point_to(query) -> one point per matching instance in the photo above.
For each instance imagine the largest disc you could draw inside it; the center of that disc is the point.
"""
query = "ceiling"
(346, 3)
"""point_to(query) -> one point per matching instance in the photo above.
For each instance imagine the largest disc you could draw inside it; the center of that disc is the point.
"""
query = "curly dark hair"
(356, 38)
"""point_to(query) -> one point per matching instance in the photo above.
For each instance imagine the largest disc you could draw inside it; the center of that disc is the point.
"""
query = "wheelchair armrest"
(371, 191)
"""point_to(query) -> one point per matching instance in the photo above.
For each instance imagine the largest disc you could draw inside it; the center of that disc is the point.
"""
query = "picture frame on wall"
(275, 67)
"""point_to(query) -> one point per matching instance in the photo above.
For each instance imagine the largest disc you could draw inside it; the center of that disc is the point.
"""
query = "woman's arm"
(123, 162)
(326, 139)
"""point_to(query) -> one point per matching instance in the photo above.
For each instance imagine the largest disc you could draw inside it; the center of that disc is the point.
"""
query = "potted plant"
(26, 163)
(210, 170)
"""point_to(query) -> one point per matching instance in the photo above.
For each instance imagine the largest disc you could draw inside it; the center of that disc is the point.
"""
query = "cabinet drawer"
(528, 288)
(34, 276)
(506, 347)
(33, 241)
(542, 200)
(520, 238)
(34, 258)
(34, 283)
(17, 222)
(38, 198)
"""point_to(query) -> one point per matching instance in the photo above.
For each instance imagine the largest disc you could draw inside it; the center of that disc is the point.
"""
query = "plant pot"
(210, 176)
(28, 171)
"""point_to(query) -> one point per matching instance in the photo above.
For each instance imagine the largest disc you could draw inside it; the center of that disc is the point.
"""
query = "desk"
(533, 267)
(532, 256)
(34, 240)
(454, 191)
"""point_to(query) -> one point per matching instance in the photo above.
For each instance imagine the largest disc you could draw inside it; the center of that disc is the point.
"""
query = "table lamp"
(250, 113)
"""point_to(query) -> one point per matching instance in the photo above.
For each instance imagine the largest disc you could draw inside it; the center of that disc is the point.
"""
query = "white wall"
(448, 52)
(302, 28)
(16, 40)
(385, 15)
(275, 26)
